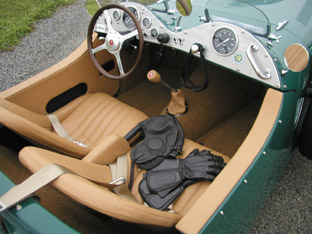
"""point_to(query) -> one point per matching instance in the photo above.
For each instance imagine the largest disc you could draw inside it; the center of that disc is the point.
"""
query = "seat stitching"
(97, 124)
(79, 107)
(125, 114)
(83, 120)
(113, 124)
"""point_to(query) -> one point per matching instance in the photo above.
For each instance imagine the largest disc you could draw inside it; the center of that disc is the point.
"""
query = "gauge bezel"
(119, 15)
(138, 18)
(236, 44)
(157, 30)
(149, 24)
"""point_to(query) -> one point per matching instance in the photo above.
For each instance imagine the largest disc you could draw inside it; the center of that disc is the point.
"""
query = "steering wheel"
(114, 41)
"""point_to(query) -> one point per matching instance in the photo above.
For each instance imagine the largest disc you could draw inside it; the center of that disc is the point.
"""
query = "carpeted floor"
(220, 116)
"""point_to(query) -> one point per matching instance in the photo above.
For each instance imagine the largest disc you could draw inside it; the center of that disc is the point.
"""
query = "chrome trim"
(253, 49)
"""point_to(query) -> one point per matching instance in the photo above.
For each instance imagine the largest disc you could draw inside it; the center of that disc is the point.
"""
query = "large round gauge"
(224, 41)
(127, 20)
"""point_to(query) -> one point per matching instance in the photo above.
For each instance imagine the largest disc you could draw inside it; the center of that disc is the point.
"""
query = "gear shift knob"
(153, 76)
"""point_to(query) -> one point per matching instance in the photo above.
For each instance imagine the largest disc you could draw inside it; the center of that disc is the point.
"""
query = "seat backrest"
(36, 128)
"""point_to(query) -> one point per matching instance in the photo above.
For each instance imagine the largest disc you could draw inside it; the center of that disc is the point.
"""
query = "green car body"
(242, 205)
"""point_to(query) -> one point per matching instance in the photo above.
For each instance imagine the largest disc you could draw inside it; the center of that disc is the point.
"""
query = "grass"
(17, 18)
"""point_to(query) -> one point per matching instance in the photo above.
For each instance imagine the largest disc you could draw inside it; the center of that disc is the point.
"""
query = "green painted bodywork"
(242, 205)
(31, 218)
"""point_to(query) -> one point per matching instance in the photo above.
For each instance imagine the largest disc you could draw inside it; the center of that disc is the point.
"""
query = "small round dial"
(116, 14)
(224, 41)
(147, 22)
(154, 32)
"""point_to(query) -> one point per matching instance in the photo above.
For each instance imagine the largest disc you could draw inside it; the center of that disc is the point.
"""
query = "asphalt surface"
(287, 210)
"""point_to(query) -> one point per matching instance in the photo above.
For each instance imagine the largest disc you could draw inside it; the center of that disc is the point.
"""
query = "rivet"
(280, 121)
(237, 69)
(245, 181)
(121, 149)
(221, 212)
(19, 207)
(264, 153)
(285, 86)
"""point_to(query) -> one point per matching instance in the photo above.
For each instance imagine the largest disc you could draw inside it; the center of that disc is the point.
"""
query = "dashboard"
(225, 44)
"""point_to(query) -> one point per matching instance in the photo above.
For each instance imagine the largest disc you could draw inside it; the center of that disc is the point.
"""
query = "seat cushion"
(98, 116)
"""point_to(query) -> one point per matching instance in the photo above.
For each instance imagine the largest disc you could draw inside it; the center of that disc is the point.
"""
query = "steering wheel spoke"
(119, 64)
(113, 40)
(129, 35)
(108, 22)
(99, 48)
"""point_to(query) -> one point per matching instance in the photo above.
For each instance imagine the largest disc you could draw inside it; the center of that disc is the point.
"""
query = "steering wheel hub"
(112, 43)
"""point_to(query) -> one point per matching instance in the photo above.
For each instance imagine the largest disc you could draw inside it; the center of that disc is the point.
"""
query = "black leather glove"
(164, 183)
(201, 165)
(196, 166)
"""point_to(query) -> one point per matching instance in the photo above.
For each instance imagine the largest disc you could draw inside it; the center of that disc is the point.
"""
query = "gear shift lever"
(177, 104)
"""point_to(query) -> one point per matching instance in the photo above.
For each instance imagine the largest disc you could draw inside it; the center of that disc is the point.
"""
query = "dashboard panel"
(225, 44)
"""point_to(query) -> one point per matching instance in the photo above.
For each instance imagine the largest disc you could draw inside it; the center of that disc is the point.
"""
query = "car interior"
(232, 117)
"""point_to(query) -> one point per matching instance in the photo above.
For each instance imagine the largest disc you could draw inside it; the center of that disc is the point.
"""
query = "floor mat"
(229, 135)
(148, 97)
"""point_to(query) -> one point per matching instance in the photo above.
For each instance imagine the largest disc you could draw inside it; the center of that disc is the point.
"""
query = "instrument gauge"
(128, 21)
(147, 22)
(116, 15)
(154, 32)
(225, 41)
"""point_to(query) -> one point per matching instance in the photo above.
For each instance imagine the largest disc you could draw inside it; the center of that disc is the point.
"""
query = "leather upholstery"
(104, 200)
(88, 119)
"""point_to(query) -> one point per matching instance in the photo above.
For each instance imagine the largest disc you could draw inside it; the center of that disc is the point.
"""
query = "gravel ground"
(53, 40)
(288, 209)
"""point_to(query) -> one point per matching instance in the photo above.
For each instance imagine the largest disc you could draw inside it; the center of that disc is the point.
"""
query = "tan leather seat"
(88, 119)
(104, 200)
